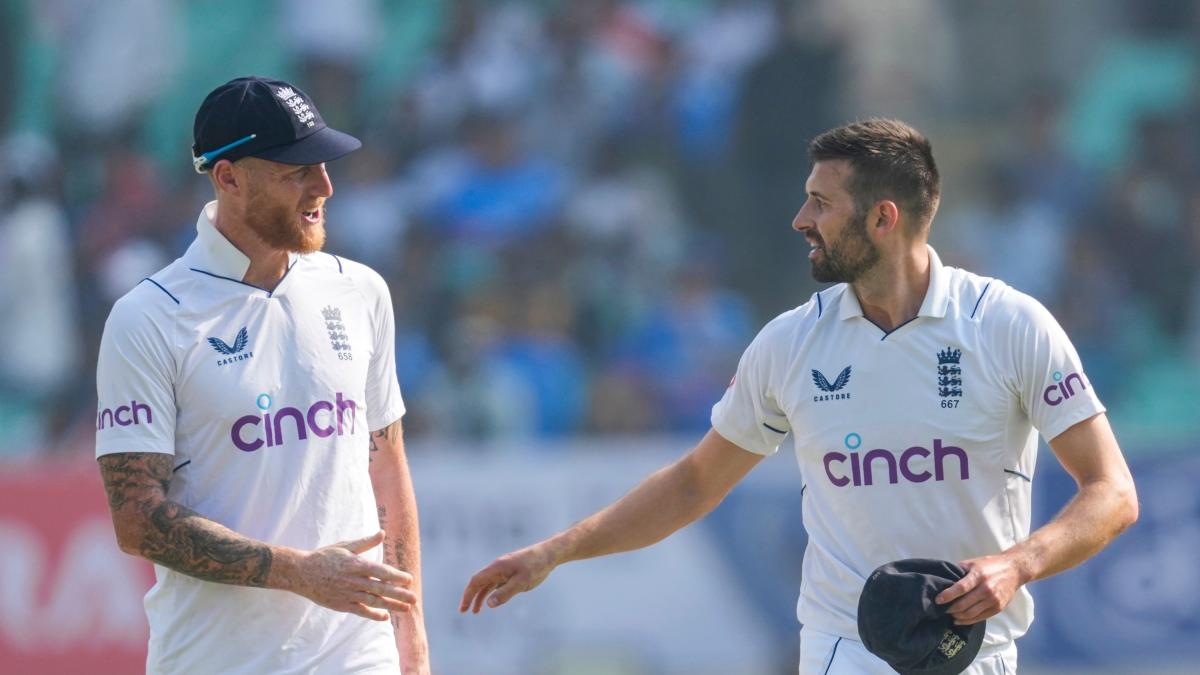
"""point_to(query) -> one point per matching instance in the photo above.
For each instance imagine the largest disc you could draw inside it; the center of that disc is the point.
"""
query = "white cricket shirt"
(266, 400)
(918, 443)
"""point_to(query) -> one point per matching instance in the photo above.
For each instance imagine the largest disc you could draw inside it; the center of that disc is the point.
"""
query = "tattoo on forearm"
(133, 475)
(173, 535)
(388, 433)
(395, 548)
(201, 548)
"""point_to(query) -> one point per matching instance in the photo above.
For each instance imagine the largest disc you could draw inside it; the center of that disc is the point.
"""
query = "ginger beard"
(282, 226)
(847, 258)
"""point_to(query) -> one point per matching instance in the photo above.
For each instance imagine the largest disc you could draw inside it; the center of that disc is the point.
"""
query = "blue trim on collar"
(339, 262)
(820, 307)
(160, 287)
(285, 276)
(239, 281)
(886, 333)
(236, 281)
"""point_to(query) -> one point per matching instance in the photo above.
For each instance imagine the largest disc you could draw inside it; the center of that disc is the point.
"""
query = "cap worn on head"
(265, 118)
(899, 621)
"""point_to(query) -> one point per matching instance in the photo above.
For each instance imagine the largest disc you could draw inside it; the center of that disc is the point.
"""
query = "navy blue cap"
(261, 117)
(900, 623)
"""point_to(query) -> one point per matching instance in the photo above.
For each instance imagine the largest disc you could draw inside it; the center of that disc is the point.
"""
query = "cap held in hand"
(261, 117)
(899, 621)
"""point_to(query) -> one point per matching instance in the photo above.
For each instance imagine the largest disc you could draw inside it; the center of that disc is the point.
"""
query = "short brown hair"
(891, 160)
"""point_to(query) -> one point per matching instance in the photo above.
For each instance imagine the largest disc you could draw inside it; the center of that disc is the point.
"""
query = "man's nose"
(800, 222)
(322, 185)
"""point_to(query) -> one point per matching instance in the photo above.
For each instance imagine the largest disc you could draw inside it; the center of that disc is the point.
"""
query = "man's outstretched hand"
(508, 575)
(338, 577)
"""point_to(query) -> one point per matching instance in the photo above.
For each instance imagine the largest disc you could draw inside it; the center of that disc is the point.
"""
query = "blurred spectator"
(37, 292)
(1010, 235)
(1192, 309)
(496, 190)
(789, 96)
(626, 51)
(688, 345)
(106, 84)
(129, 208)
(491, 58)
(368, 216)
(542, 352)
(1098, 308)
(1149, 70)
(331, 42)
(627, 208)
(715, 54)
(10, 43)
(476, 395)
(1047, 174)
(1146, 223)
(622, 402)
(916, 86)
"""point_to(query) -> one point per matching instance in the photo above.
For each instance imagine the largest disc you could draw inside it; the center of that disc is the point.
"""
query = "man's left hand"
(987, 589)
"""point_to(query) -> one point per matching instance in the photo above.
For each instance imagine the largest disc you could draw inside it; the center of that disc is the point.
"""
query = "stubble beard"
(850, 257)
(280, 227)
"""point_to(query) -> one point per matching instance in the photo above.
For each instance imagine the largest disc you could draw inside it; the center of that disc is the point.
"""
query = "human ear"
(226, 177)
(886, 214)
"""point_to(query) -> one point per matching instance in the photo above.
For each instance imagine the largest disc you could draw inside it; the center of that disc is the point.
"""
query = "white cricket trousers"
(826, 654)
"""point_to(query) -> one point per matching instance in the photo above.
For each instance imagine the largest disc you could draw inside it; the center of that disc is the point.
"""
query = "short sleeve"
(135, 381)
(1046, 372)
(384, 402)
(748, 415)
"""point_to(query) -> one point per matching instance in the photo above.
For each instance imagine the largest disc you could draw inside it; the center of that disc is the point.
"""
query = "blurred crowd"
(583, 207)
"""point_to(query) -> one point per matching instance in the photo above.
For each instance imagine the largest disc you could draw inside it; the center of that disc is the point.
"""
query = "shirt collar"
(213, 253)
(936, 297)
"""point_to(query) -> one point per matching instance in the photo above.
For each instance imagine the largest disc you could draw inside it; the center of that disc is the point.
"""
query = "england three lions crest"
(339, 339)
(949, 375)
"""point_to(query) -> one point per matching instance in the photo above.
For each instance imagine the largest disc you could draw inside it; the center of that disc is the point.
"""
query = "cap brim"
(324, 145)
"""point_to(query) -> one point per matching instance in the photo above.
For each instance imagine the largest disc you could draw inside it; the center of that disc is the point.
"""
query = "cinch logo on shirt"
(860, 466)
(132, 415)
(273, 428)
(1062, 389)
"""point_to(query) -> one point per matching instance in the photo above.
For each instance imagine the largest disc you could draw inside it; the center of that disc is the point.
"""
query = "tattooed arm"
(402, 547)
(150, 525)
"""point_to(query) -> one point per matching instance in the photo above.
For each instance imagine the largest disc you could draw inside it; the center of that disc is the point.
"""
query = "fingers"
(981, 602)
(480, 585)
(478, 595)
(370, 605)
(362, 545)
(385, 572)
(467, 596)
(389, 591)
(505, 593)
(959, 589)
(477, 605)
(369, 613)
(380, 602)
(975, 613)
